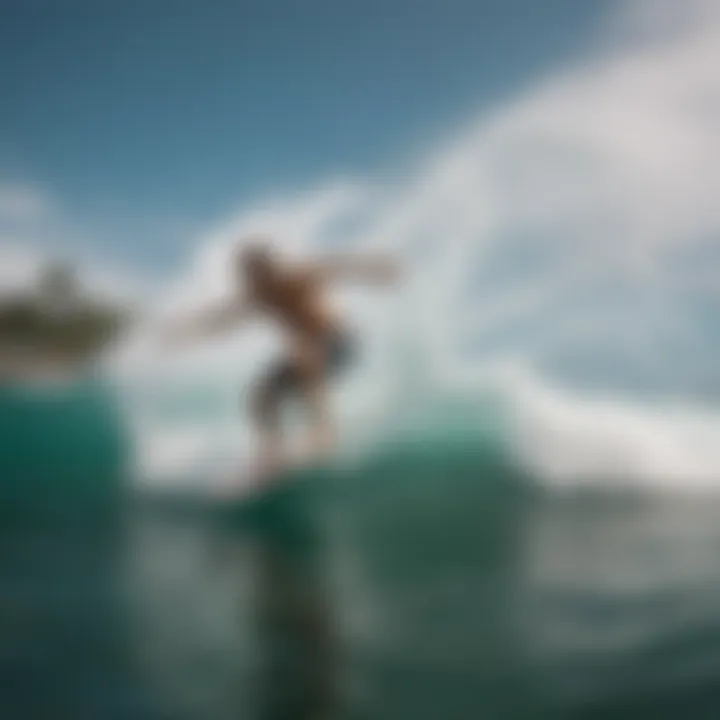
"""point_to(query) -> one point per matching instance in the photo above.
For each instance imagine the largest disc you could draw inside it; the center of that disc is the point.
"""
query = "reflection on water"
(525, 609)
(234, 619)
(415, 604)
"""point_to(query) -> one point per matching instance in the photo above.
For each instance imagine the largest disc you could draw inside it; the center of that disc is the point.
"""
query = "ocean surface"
(432, 577)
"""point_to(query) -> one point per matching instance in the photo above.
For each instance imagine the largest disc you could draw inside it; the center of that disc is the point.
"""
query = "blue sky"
(148, 119)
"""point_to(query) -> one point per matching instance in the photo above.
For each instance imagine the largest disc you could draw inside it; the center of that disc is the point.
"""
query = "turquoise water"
(60, 449)
(430, 580)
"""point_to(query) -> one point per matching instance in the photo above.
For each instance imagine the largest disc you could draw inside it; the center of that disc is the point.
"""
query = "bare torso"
(297, 300)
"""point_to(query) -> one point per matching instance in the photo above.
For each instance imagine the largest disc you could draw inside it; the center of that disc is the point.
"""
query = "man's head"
(255, 258)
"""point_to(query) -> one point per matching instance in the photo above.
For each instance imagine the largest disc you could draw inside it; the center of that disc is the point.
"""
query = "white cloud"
(35, 230)
(23, 202)
(18, 267)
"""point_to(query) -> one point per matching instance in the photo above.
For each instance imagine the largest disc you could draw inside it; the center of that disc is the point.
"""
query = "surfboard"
(287, 485)
(281, 501)
(249, 486)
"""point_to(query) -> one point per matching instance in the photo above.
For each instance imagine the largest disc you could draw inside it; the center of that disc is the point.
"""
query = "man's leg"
(265, 414)
(320, 434)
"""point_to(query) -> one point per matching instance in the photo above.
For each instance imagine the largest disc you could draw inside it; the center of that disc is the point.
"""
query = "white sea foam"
(574, 228)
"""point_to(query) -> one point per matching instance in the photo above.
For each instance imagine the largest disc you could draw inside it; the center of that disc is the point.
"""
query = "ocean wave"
(562, 439)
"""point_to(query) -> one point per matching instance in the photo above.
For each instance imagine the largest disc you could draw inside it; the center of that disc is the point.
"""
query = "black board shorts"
(285, 376)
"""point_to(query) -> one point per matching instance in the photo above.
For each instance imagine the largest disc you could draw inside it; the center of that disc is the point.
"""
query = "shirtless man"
(319, 345)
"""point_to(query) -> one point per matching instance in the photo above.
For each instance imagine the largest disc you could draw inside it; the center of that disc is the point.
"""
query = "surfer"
(318, 343)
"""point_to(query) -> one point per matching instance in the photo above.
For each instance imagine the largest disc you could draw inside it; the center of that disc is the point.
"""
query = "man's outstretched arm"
(213, 320)
(367, 268)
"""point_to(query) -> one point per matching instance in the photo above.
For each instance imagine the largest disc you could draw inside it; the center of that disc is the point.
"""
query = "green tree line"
(54, 320)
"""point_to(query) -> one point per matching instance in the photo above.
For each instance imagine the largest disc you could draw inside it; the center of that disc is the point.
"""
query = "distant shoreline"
(52, 332)
(23, 367)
